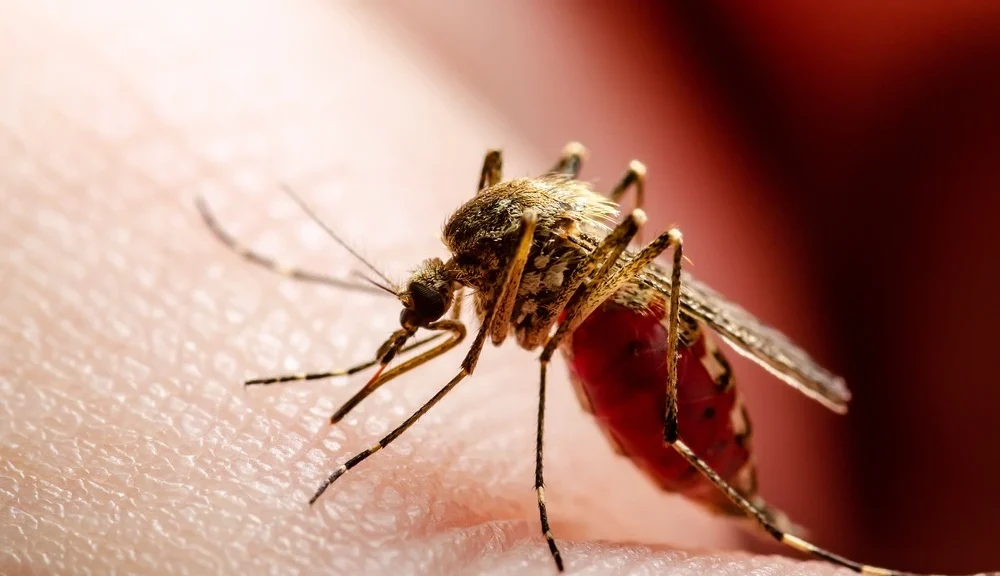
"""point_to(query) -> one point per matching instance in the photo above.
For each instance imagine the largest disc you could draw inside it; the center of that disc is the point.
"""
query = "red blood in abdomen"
(619, 358)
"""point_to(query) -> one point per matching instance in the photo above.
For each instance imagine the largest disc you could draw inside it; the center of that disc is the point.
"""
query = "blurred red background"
(836, 168)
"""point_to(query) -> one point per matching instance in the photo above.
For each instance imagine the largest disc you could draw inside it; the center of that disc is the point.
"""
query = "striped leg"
(377, 380)
(335, 373)
(762, 518)
(458, 334)
(600, 263)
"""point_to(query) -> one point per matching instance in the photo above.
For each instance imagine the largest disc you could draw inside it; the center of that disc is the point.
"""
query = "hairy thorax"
(483, 234)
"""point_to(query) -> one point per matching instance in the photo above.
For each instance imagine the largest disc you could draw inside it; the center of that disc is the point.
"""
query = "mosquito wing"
(754, 339)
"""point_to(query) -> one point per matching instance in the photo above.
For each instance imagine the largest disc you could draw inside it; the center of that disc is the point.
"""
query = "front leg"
(490, 175)
(496, 322)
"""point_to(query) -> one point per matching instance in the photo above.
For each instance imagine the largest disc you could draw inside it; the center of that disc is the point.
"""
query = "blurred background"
(835, 168)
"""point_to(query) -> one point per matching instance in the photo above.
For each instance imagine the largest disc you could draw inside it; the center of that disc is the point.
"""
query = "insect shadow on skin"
(546, 266)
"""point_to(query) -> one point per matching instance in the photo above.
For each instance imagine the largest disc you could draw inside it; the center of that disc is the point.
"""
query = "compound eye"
(427, 302)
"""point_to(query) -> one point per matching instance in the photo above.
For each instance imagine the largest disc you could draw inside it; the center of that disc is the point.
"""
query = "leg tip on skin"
(556, 555)
(338, 416)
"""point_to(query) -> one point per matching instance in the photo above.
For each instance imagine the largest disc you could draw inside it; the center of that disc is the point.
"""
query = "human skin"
(125, 329)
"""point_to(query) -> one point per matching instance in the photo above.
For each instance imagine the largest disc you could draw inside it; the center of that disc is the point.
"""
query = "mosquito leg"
(361, 456)
(543, 513)
(380, 378)
(468, 364)
(605, 282)
(492, 171)
(635, 176)
(335, 373)
(503, 307)
(458, 334)
(604, 255)
(491, 174)
(673, 339)
(762, 518)
(273, 265)
(456, 308)
(570, 160)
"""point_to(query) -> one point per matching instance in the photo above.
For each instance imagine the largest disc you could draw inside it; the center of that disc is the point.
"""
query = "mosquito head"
(428, 294)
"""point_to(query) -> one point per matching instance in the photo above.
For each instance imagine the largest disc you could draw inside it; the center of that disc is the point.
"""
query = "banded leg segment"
(608, 277)
(334, 373)
(458, 334)
(273, 265)
(543, 514)
(762, 518)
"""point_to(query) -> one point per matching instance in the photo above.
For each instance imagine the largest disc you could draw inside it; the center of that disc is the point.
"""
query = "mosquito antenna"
(309, 212)
(375, 283)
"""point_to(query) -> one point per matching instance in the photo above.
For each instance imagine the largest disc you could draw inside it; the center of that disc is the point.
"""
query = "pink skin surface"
(126, 442)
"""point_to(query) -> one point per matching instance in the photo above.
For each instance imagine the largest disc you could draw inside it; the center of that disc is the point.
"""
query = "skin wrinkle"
(174, 501)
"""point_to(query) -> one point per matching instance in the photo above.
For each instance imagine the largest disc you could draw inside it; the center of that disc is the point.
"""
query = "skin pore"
(126, 441)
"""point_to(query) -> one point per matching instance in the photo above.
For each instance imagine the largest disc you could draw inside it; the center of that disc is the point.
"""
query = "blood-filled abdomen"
(618, 362)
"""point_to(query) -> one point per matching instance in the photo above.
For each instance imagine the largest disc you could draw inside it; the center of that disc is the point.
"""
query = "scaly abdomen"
(618, 363)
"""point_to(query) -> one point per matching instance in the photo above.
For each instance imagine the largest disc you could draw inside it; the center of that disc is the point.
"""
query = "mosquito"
(549, 267)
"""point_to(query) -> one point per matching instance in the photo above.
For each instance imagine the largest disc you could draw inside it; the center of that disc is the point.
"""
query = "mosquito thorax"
(483, 233)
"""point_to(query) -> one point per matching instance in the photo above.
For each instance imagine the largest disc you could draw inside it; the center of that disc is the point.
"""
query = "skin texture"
(126, 442)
